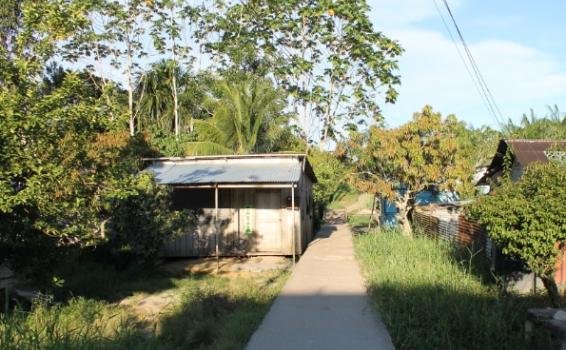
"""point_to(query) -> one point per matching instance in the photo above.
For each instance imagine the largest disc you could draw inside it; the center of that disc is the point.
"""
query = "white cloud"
(518, 76)
(433, 73)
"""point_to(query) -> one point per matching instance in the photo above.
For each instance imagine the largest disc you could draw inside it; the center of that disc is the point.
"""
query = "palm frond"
(206, 148)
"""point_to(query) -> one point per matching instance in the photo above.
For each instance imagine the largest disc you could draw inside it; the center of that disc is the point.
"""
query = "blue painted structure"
(389, 209)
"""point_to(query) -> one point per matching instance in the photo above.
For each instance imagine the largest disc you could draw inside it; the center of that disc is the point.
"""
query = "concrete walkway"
(324, 303)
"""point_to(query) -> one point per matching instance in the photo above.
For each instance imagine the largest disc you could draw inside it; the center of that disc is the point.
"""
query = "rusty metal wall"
(448, 224)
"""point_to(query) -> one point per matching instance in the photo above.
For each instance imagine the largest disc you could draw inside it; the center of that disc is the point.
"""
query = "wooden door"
(268, 220)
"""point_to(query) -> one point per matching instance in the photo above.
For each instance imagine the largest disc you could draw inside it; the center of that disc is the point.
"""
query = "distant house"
(389, 210)
(522, 153)
(246, 204)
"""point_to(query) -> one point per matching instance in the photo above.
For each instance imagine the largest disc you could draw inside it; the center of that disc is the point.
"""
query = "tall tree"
(398, 163)
(326, 54)
(156, 100)
(169, 19)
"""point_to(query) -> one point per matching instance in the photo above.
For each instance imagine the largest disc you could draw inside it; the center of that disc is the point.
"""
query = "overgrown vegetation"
(432, 297)
(526, 219)
(207, 312)
(552, 126)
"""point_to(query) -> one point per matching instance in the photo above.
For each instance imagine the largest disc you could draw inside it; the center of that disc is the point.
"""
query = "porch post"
(293, 218)
(216, 226)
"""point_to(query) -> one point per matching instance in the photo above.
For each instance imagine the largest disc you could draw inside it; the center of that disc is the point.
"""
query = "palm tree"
(155, 94)
(243, 113)
(552, 126)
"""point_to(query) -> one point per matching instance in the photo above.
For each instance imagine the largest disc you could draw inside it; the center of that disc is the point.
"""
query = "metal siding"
(437, 222)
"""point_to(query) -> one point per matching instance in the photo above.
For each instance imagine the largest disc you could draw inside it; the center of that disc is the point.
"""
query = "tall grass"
(431, 299)
(81, 324)
(212, 313)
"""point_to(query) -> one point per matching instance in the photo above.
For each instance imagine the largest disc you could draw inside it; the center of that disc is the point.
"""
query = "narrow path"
(324, 303)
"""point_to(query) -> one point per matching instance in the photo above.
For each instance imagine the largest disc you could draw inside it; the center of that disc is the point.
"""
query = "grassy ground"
(352, 201)
(209, 312)
(431, 298)
(359, 223)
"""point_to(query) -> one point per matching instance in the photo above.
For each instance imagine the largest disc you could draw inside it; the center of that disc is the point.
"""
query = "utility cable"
(491, 100)
(479, 90)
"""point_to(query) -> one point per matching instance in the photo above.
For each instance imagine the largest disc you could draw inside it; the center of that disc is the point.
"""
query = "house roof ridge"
(228, 156)
(533, 140)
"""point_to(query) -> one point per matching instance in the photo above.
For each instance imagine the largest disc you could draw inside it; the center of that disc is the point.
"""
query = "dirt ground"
(150, 307)
(227, 266)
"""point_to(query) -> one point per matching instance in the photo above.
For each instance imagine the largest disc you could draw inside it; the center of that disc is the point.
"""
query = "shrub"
(526, 219)
(142, 218)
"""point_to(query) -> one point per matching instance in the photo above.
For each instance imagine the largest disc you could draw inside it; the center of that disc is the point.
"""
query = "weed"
(430, 297)
(212, 313)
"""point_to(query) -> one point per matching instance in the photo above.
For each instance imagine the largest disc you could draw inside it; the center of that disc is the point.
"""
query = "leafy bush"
(526, 219)
(142, 218)
(331, 173)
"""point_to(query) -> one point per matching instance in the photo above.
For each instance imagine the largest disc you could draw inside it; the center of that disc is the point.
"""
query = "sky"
(518, 45)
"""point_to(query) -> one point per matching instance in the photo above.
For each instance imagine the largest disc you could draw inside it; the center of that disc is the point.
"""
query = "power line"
(477, 86)
(479, 76)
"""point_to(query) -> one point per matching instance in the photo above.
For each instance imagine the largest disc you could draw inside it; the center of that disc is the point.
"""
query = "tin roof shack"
(246, 204)
(523, 153)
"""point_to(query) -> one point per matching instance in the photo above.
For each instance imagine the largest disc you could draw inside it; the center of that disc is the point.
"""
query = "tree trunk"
(173, 77)
(175, 103)
(130, 92)
(552, 289)
(403, 209)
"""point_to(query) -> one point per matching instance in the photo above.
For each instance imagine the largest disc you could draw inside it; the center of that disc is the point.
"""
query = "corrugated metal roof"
(528, 151)
(525, 152)
(226, 171)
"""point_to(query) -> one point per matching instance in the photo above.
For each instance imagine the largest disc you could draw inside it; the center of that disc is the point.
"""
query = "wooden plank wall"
(270, 217)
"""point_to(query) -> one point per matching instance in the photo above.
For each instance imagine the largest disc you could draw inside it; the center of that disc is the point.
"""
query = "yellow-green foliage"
(211, 313)
(420, 153)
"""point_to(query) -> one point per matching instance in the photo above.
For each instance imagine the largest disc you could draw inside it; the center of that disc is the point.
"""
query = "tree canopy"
(399, 162)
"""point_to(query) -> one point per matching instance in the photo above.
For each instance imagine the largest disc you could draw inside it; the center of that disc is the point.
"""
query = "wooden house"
(246, 204)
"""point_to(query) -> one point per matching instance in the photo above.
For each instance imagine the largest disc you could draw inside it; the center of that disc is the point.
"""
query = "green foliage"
(65, 155)
(431, 298)
(327, 56)
(477, 145)
(552, 126)
(206, 312)
(331, 175)
(155, 97)
(526, 218)
(421, 153)
(244, 116)
(142, 219)
(82, 324)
